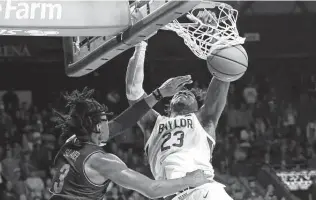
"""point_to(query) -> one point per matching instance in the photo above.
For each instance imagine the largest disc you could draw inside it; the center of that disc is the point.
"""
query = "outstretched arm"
(214, 103)
(111, 167)
(134, 88)
(131, 116)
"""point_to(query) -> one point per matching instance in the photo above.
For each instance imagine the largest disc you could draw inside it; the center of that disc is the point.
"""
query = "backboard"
(85, 54)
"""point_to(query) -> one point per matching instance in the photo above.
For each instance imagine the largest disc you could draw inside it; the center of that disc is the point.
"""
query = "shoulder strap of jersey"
(59, 152)
(159, 118)
(199, 123)
(86, 160)
(73, 137)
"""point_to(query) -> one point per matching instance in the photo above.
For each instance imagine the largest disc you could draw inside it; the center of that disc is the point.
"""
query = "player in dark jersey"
(84, 170)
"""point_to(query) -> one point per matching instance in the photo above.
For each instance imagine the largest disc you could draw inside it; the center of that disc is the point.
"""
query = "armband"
(157, 94)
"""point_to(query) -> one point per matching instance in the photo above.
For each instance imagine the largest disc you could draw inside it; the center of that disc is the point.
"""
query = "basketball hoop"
(203, 37)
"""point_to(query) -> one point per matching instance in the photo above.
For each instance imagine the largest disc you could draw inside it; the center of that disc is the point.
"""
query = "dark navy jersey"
(70, 181)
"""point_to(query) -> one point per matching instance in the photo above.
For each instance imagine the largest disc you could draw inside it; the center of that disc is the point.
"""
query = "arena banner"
(21, 50)
(34, 49)
(63, 17)
(297, 180)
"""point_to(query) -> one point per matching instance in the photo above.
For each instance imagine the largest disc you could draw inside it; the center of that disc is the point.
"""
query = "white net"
(213, 27)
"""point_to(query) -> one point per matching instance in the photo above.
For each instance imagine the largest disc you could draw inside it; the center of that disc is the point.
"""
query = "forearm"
(163, 188)
(153, 189)
(132, 115)
(216, 98)
(217, 92)
(135, 73)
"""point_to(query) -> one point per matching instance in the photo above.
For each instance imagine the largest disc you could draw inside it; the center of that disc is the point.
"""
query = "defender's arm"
(214, 103)
(131, 116)
(111, 167)
(134, 87)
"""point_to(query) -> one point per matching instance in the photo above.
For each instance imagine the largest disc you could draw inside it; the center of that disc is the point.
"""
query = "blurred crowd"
(258, 127)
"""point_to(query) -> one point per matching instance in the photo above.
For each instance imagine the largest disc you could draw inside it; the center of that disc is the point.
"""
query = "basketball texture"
(228, 64)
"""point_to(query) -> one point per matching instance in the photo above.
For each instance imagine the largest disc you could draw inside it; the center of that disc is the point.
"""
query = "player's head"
(183, 102)
(86, 118)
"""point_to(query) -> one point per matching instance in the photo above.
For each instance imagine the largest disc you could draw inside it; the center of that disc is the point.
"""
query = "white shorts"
(209, 191)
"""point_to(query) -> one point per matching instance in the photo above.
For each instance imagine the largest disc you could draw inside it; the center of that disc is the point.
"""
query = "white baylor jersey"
(179, 145)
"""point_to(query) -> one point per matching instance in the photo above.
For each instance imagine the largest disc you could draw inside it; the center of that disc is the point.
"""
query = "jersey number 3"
(167, 136)
(59, 183)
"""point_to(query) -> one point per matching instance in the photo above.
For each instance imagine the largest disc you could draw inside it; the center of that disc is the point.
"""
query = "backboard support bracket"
(103, 49)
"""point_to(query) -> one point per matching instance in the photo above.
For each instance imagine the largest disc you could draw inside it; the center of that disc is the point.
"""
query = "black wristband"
(157, 94)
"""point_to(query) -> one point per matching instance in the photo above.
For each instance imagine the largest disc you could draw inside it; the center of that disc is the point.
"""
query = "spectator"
(272, 115)
(26, 165)
(292, 148)
(240, 154)
(11, 101)
(311, 132)
(260, 127)
(5, 121)
(312, 190)
(305, 110)
(46, 192)
(267, 159)
(232, 116)
(35, 187)
(290, 116)
(299, 157)
(16, 150)
(8, 193)
(270, 192)
(10, 165)
(245, 116)
(238, 118)
(299, 136)
(250, 94)
(135, 161)
(312, 158)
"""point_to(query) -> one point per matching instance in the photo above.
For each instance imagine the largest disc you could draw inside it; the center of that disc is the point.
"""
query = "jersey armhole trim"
(151, 134)
(84, 170)
(207, 135)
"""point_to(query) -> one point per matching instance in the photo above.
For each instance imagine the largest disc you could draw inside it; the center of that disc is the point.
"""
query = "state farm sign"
(63, 17)
(10, 9)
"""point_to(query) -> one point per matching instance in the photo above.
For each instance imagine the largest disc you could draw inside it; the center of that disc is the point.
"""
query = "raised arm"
(214, 103)
(111, 167)
(134, 87)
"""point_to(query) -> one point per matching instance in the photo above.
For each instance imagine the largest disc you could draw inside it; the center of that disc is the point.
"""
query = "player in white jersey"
(184, 141)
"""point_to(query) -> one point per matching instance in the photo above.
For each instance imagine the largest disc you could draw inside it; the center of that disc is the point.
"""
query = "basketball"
(228, 64)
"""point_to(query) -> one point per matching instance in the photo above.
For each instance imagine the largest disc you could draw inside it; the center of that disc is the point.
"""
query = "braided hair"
(84, 113)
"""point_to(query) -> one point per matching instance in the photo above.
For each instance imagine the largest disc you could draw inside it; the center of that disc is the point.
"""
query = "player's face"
(183, 101)
(104, 130)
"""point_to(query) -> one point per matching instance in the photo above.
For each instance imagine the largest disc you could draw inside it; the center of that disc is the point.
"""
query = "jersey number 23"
(178, 135)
